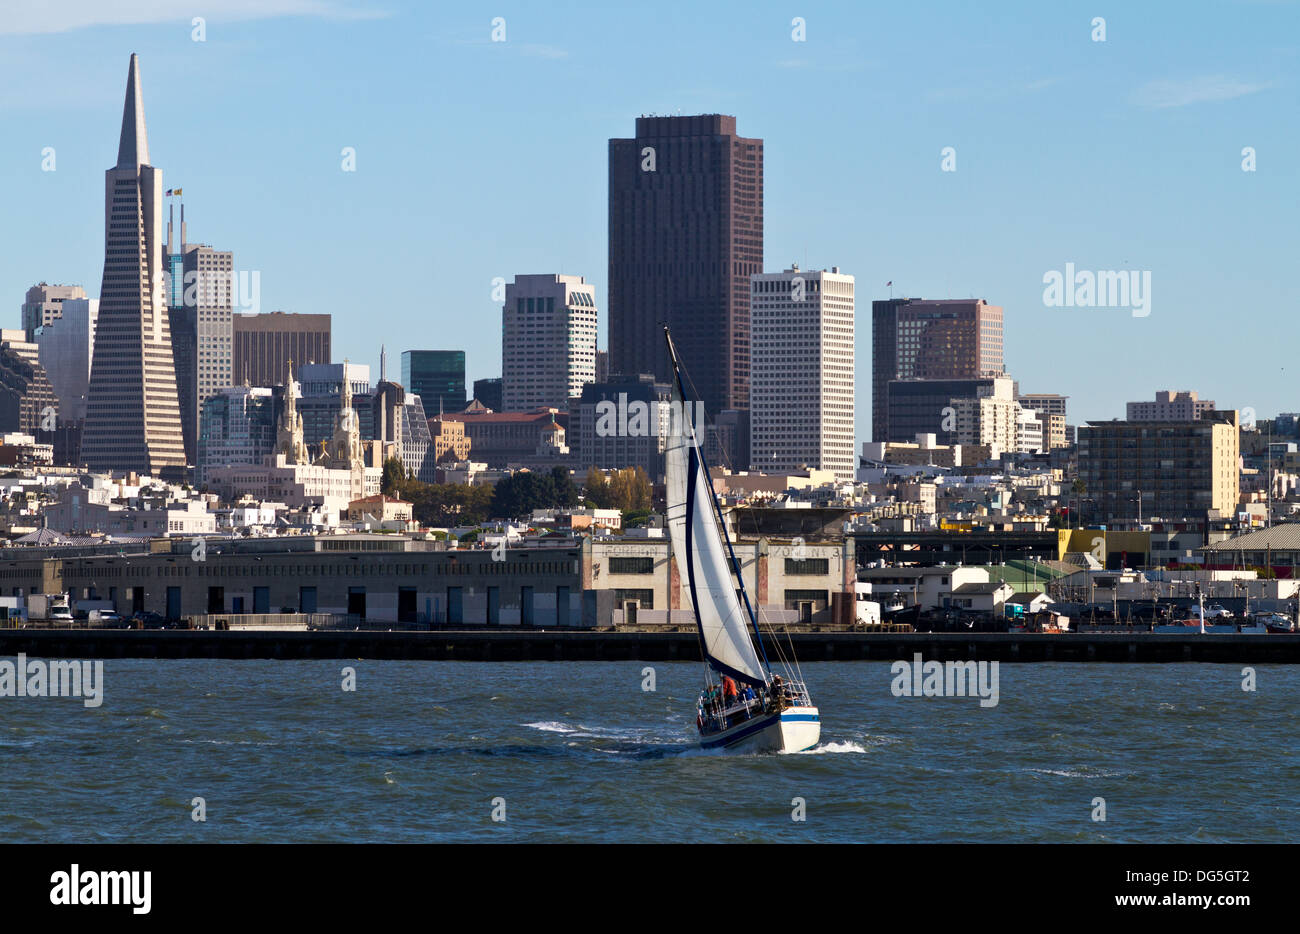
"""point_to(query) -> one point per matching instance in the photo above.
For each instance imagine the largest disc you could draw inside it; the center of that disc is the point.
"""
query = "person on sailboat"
(778, 692)
(729, 694)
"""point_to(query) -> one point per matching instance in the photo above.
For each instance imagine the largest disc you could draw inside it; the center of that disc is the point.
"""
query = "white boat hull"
(794, 729)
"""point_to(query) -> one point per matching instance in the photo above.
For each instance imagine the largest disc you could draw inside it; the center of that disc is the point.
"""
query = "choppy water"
(579, 752)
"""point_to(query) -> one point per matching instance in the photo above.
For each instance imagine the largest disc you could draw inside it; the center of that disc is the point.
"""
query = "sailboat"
(748, 709)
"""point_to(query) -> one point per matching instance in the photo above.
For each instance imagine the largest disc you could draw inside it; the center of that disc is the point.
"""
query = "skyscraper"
(913, 338)
(44, 305)
(264, 344)
(67, 345)
(437, 377)
(685, 235)
(132, 417)
(548, 341)
(210, 306)
(27, 400)
(488, 392)
(802, 392)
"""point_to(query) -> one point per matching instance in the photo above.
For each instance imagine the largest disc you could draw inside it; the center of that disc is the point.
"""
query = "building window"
(807, 565)
(631, 565)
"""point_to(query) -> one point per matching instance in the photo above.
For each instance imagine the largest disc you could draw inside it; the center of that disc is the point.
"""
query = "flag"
(887, 284)
(177, 192)
(173, 192)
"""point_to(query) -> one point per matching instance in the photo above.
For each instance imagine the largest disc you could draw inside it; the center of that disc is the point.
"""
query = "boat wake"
(827, 748)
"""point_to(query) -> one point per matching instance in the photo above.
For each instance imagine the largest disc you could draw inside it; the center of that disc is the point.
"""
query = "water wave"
(825, 748)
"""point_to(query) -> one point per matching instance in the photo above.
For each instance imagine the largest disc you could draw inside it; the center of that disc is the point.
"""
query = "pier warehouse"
(386, 579)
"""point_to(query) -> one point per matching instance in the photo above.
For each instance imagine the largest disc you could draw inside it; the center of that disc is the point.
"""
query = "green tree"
(517, 496)
(596, 488)
(566, 491)
(394, 477)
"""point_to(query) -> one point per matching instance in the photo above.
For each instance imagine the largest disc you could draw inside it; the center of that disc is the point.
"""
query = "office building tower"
(913, 338)
(488, 392)
(27, 400)
(437, 377)
(265, 343)
(548, 341)
(44, 305)
(237, 427)
(201, 295)
(685, 235)
(133, 421)
(1170, 407)
(1050, 408)
(621, 423)
(66, 347)
(1173, 469)
(924, 407)
(320, 399)
(801, 398)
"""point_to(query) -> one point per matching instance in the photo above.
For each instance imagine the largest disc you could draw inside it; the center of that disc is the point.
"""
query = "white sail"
(701, 557)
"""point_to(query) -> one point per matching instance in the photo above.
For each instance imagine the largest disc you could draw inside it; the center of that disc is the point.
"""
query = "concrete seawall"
(553, 645)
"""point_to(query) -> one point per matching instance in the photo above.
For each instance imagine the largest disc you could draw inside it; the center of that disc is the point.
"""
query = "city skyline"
(1158, 187)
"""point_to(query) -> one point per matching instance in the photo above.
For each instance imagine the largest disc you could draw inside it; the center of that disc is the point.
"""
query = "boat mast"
(717, 509)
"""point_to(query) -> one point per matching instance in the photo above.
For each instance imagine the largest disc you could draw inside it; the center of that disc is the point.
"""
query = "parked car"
(1214, 611)
(149, 620)
(107, 619)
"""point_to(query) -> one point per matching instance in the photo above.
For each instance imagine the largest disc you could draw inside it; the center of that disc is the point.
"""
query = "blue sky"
(477, 159)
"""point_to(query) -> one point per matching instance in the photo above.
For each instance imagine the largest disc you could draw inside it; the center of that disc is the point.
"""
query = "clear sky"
(477, 159)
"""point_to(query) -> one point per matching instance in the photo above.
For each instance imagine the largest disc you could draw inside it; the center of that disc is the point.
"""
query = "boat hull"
(794, 729)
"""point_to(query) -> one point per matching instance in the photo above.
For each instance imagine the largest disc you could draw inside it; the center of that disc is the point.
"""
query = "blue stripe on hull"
(754, 726)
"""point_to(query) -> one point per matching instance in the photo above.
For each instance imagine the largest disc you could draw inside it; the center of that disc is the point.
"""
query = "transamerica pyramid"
(133, 420)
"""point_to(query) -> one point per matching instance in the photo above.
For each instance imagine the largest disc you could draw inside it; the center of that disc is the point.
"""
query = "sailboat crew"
(729, 694)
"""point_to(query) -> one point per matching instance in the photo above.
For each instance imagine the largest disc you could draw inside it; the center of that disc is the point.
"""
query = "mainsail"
(697, 546)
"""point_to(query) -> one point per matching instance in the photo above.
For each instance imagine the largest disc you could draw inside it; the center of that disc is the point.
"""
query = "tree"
(596, 489)
(519, 495)
(630, 490)
(566, 492)
(394, 477)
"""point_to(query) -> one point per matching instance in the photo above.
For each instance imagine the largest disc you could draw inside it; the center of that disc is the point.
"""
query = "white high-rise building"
(1029, 432)
(801, 369)
(208, 312)
(548, 341)
(989, 418)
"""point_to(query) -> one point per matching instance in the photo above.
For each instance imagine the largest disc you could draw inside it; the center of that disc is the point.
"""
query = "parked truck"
(49, 607)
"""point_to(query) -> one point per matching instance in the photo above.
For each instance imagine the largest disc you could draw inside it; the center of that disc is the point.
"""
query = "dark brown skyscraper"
(685, 233)
(264, 345)
(912, 338)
